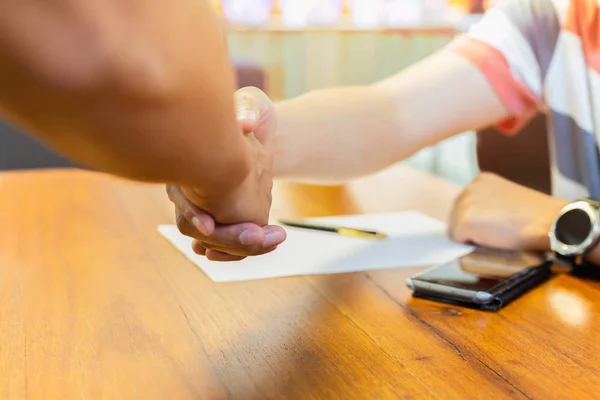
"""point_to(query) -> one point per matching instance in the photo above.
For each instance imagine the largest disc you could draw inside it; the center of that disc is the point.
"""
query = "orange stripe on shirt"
(518, 99)
(583, 20)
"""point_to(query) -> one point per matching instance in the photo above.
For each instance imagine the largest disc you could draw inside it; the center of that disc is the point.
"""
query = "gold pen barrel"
(361, 234)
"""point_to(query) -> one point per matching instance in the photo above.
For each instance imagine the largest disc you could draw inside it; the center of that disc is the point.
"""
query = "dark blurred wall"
(20, 151)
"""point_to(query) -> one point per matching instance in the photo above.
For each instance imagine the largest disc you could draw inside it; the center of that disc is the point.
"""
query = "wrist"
(282, 158)
(541, 224)
(244, 203)
(225, 176)
(222, 206)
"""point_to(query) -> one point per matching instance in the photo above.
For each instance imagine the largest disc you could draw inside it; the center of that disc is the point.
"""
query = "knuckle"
(460, 225)
(466, 216)
(251, 91)
(170, 189)
(460, 203)
(198, 248)
(184, 210)
(177, 197)
(201, 251)
(180, 220)
(459, 234)
(185, 227)
(186, 213)
(466, 223)
(250, 97)
(245, 96)
(453, 233)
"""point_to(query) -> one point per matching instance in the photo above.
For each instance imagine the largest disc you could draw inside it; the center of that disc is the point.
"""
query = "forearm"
(541, 223)
(163, 143)
(336, 134)
(131, 94)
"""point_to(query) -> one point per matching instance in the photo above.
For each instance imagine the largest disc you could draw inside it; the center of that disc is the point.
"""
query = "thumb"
(248, 103)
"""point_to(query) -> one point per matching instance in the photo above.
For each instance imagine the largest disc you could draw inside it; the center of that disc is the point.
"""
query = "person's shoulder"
(578, 16)
(530, 13)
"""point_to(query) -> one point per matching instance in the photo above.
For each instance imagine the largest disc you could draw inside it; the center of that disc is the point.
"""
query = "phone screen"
(481, 270)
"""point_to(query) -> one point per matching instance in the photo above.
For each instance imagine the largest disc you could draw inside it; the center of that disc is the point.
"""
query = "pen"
(340, 230)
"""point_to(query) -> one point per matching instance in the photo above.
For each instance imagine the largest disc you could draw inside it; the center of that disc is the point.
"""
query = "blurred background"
(289, 47)
(302, 45)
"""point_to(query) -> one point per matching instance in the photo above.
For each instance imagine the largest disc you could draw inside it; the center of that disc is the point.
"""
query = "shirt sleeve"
(513, 45)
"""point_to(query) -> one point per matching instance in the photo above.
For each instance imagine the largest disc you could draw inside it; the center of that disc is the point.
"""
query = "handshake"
(233, 227)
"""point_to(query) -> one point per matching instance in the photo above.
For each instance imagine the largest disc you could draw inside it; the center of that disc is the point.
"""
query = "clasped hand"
(491, 211)
(232, 228)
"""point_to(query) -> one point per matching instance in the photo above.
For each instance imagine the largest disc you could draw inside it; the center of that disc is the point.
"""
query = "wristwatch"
(575, 231)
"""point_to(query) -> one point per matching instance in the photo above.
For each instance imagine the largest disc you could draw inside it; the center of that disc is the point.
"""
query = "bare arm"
(341, 133)
(139, 89)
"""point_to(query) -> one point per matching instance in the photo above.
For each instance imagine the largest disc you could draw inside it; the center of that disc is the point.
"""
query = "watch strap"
(593, 202)
(570, 261)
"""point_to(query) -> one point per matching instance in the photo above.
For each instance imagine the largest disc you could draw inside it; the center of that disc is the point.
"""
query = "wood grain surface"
(95, 304)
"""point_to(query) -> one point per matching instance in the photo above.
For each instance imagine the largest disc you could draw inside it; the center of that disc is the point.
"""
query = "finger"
(236, 235)
(185, 227)
(454, 223)
(274, 236)
(457, 234)
(453, 220)
(252, 104)
(198, 248)
(200, 219)
(214, 255)
(238, 251)
(201, 249)
(463, 230)
(460, 203)
(455, 227)
(246, 235)
(247, 109)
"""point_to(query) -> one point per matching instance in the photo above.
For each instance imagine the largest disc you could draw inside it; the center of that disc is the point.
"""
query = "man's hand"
(250, 201)
(498, 213)
(222, 241)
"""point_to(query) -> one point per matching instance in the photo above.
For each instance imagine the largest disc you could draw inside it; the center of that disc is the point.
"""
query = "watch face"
(573, 227)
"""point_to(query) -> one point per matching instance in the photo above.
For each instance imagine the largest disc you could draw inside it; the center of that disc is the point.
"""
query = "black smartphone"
(486, 279)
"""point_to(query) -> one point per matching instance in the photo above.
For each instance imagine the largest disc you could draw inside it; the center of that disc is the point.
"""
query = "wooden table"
(94, 304)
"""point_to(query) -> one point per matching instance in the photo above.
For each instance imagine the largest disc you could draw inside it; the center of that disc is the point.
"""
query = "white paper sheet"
(414, 240)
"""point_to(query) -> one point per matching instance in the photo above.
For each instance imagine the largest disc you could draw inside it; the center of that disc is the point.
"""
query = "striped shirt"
(544, 55)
